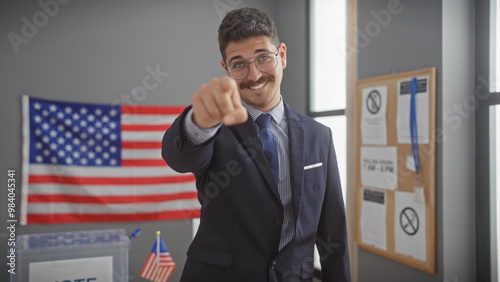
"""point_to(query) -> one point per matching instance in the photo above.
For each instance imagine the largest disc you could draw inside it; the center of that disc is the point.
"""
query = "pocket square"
(313, 166)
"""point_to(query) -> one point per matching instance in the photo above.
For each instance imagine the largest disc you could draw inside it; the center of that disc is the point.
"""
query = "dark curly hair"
(243, 24)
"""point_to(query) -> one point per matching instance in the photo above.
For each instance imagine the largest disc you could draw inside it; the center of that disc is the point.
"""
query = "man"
(267, 176)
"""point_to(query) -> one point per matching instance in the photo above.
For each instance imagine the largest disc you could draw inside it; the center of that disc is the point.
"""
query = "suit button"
(273, 264)
(278, 221)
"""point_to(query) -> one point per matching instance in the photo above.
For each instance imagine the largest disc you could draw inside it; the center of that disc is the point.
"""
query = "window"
(328, 62)
(328, 71)
(328, 76)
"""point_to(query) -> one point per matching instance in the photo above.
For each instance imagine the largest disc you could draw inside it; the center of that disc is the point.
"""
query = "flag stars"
(68, 134)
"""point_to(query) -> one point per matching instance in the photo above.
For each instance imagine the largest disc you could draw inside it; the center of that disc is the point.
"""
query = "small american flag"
(159, 266)
(96, 163)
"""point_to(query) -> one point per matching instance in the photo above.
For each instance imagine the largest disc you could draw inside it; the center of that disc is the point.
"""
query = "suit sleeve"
(332, 229)
(180, 154)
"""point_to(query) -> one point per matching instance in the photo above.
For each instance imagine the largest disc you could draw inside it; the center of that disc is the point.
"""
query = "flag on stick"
(159, 266)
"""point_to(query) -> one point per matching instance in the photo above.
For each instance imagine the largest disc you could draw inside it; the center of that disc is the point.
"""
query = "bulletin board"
(395, 209)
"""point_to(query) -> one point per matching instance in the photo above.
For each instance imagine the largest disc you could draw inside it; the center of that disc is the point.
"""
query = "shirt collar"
(276, 113)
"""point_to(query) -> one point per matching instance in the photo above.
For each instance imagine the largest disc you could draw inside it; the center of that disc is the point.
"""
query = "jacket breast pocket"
(210, 255)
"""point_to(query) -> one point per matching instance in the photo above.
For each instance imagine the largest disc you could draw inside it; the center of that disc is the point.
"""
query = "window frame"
(485, 242)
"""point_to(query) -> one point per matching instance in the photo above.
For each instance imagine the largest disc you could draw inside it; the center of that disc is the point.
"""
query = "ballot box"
(99, 255)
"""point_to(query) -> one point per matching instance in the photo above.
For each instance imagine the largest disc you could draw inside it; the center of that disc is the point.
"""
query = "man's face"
(259, 89)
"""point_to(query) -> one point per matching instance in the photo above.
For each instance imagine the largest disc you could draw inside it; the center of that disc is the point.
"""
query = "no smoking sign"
(409, 221)
(373, 102)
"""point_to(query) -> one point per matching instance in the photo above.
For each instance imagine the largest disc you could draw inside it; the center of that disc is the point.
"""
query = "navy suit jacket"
(241, 212)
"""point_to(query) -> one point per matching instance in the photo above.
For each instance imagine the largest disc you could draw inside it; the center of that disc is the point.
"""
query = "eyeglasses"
(265, 62)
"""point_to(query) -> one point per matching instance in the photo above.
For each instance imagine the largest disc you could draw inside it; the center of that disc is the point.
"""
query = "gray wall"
(430, 34)
(98, 51)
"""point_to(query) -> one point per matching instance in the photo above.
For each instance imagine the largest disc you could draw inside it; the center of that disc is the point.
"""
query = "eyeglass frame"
(256, 65)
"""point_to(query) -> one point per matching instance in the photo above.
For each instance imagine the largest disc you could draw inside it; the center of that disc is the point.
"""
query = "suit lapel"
(246, 134)
(296, 157)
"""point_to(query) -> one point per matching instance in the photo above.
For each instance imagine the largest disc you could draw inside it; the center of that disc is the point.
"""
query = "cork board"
(384, 225)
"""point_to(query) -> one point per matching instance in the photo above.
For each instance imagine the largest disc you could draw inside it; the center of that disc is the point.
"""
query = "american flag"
(100, 163)
(158, 267)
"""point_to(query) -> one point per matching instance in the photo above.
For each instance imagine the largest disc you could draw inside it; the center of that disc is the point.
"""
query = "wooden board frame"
(406, 178)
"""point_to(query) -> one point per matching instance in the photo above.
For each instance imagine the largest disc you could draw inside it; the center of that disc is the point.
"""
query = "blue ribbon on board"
(413, 123)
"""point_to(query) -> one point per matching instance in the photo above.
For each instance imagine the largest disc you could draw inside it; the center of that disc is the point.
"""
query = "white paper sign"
(373, 116)
(379, 167)
(88, 269)
(373, 219)
(409, 226)
(422, 105)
